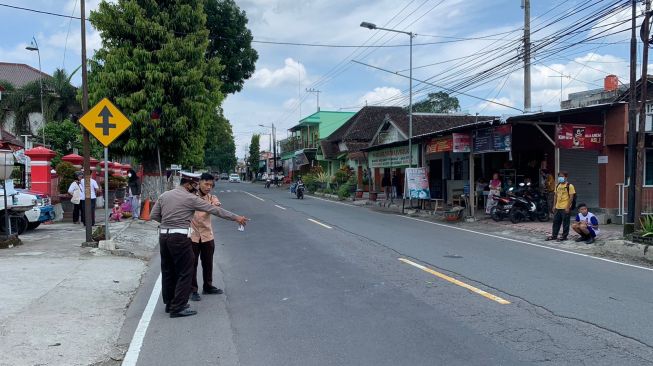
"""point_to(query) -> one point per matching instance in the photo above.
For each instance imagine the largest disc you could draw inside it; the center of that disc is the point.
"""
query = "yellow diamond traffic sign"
(105, 121)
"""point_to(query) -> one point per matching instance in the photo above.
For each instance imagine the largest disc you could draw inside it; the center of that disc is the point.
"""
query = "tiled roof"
(19, 75)
(431, 123)
(365, 123)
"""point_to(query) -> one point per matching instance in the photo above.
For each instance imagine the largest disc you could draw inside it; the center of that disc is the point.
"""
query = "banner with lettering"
(584, 137)
(440, 144)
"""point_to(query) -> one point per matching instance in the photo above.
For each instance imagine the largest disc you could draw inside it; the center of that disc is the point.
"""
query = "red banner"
(462, 142)
(440, 144)
(589, 137)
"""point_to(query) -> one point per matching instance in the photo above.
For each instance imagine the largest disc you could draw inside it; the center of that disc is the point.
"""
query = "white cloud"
(290, 103)
(385, 95)
(292, 72)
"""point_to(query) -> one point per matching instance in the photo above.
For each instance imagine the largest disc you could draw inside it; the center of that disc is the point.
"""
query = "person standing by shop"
(386, 183)
(203, 240)
(174, 210)
(564, 201)
(495, 190)
(75, 191)
(548, 182)
(95, 190)
(394, 181)
(134, 191)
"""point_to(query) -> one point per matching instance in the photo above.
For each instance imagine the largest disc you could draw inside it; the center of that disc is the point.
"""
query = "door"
(583, 169)
(435, 178)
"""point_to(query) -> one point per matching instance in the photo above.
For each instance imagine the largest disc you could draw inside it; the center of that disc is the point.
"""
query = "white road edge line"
(258, 198)
(319, 223)
(531, 244)
(277, 206)
(139, 335)
(337, 203)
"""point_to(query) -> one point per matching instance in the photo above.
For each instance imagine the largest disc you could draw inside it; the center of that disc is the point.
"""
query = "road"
(315, 282)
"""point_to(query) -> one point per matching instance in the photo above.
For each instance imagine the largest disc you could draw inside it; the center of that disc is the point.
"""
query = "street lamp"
(274, 149)
(34, 46)
(411, 35)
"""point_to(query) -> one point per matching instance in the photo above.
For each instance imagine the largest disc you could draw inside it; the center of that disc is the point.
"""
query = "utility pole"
(317, 93)
(274, 153)
(526, 5)
(87, 152)
(644, 35)
(629, 226)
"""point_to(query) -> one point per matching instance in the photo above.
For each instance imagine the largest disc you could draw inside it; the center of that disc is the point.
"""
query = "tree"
(220, 149)
(439, 102)
(60, 96)
(153, 59)
(254, 153)
(231, 41)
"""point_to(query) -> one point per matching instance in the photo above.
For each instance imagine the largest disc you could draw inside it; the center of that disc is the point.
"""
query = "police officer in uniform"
(174, 210)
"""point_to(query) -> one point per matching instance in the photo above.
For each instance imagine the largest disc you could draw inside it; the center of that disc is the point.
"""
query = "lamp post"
(34, 46)
(411, 35)
(274, 149)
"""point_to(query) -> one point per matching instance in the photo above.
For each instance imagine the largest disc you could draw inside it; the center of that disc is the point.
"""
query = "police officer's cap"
(187, 177)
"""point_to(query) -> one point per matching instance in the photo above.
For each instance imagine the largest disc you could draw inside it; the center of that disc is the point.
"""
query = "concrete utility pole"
(644, 35)
(526, 5)
(317, 93)
(87, 143)
(631, 178)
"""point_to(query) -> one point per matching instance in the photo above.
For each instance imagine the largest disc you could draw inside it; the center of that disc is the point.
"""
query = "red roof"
(19, 75)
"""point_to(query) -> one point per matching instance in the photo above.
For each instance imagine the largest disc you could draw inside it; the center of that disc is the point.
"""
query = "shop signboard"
(393, 157)
(493, 139)
(502, 136)
(417, 183)
(462, 142)
(584, 137)
(440, 144)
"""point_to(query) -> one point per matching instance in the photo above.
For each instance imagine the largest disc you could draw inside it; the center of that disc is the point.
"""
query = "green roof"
(328, 121)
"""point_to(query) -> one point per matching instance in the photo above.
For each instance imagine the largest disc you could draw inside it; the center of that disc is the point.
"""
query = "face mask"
(116, 205)
(129, 175)
(561, 179)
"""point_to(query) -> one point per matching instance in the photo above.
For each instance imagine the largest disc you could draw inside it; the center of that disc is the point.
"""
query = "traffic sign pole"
(106, 194)
(87, 177)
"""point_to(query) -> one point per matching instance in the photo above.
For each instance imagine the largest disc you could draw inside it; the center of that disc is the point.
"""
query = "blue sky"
(284, 72)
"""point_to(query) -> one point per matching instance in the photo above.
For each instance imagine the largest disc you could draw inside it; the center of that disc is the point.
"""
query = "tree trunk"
(152, 183)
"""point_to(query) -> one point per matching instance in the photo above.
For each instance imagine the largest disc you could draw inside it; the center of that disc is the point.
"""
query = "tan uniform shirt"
(175, 209)
(201, 223)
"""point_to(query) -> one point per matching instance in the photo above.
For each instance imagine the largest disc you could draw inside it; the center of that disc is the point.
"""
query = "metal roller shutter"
(583, 169)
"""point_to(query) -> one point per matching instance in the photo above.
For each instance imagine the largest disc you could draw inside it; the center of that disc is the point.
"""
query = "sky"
(454, 40)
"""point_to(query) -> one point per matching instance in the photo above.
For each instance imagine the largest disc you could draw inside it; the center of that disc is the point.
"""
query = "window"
(648, 168)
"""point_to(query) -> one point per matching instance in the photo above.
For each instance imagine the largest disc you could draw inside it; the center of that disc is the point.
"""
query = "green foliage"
(323, 178)
(65, 136)
(647, 225)
(66, 173)
(220, 149)
(344, 191)
(439, 102)
(254, 153)
(231, 42)
(116, 182)
(311, 182)
(153, 58)
(59, 100)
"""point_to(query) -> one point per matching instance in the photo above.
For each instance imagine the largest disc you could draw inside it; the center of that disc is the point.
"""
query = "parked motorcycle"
(528, 204)
(501, 210)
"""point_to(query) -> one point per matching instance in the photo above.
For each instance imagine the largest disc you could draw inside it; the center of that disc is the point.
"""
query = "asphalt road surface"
(314, 282)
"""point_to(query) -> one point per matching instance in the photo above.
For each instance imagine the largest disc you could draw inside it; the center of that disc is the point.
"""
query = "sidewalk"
(63, 304)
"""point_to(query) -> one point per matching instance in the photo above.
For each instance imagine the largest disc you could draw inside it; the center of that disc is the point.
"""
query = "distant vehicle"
(234, 178)
(224, 176)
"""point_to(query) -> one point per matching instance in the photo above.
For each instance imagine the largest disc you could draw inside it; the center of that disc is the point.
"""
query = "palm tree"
(59, 101)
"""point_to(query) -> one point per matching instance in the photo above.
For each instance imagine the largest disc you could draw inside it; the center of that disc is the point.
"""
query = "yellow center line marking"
(457, 282)
(258, 198)
(277, 206)
(319, 223)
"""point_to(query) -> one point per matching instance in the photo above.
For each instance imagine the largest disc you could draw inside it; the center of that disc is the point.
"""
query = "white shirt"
(94, 187)
(73, 187)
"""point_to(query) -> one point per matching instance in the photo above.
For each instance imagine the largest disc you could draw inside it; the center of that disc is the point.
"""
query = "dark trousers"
(176, 269)
(83, 208)
(204, 251)
(76, 211)
(561, 218)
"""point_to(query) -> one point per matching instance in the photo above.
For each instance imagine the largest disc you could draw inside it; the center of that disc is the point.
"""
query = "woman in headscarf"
(134, 192)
